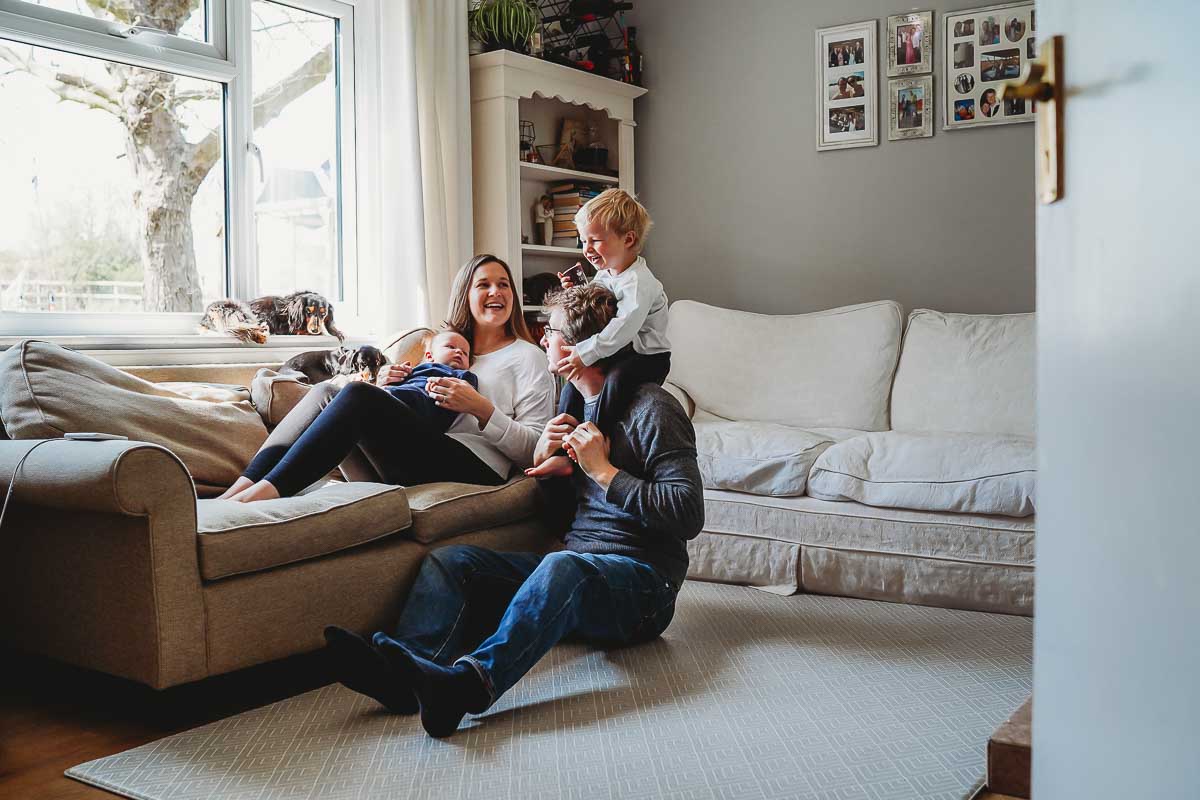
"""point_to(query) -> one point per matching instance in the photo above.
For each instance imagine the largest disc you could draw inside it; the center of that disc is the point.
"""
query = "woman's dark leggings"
(371, 435)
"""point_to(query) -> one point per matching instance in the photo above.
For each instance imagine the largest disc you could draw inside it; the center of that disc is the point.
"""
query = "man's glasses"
(559, 331)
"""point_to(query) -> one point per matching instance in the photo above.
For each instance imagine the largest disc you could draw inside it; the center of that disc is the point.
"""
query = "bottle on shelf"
(587, 11)
(632, 58)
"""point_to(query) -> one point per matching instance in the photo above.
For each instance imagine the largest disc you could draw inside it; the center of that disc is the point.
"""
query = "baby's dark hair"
(586, 310)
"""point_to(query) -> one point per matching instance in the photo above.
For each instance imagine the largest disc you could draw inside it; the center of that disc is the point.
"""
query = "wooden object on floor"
(1009, 760)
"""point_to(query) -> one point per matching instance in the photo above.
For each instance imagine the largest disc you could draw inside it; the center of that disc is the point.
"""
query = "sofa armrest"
(683, 397)
(101, 566)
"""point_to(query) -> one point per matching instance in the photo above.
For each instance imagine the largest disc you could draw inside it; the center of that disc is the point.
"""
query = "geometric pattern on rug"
(747, 695)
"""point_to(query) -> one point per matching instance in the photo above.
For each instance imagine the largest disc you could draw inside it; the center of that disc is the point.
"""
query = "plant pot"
(501, 44)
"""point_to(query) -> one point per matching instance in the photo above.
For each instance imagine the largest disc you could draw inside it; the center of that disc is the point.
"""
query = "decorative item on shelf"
(847, 86)
(528, 135)
(633, 58)
(983, 48)
(543, 215)
(592, 157)
(910, 107)
(910, 43)
(586, 34)
(546, 153)
(503, 24)
(570, 137)
(534, 288)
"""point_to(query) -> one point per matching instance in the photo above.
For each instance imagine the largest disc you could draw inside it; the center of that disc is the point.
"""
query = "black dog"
(299, 314)
(321, 365)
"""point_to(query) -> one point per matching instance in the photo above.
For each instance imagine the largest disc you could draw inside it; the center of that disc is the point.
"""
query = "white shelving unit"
(506, 88)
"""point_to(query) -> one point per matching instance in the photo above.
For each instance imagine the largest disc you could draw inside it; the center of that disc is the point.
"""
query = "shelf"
(544, 172)
(549, 250)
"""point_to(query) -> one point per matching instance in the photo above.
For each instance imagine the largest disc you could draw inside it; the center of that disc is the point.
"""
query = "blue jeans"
(504, 611)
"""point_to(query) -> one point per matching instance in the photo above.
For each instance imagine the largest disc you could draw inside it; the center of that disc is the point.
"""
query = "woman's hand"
(456, 394)
(393, 373)
(590, 448)
(551, 440)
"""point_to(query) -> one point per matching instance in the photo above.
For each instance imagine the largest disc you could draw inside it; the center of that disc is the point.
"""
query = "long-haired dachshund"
(321, 365)
(299, 314)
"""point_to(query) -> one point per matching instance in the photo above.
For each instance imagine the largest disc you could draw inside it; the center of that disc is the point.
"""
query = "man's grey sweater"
(656, 501)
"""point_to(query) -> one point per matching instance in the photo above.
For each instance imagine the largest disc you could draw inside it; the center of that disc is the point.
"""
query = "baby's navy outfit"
(411, 392)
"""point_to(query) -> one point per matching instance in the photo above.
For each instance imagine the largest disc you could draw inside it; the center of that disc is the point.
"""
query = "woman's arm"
(533, 405)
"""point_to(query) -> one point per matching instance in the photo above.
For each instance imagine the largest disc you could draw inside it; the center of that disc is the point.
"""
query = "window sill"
(152, 350)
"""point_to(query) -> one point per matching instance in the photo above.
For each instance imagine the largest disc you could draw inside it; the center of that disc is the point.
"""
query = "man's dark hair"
(586, 310)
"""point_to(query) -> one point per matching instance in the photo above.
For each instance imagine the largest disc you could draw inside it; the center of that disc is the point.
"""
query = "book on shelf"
(566, 241)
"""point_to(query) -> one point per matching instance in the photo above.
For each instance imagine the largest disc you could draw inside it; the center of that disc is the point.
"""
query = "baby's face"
(451, 349)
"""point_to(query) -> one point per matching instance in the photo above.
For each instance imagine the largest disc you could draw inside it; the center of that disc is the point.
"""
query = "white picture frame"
(982, 48)
(847, 86)
(910, 107)
(910, 36)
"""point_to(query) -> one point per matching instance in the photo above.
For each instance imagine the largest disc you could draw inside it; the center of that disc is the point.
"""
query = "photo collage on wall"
(847, 91)
(985, 47)
(910, 97)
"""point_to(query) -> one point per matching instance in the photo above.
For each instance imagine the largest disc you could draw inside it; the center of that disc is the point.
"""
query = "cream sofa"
(111, 563)
(852, 452)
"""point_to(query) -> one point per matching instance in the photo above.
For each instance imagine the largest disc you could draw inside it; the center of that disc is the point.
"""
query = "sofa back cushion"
(828, 369)
(47, 390)
(967, 373)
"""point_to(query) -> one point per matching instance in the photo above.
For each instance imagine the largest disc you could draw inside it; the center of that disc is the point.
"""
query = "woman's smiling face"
(490, 296)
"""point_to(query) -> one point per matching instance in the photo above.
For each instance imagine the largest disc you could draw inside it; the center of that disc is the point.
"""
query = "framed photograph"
(984, 47)
(910, 43)
(847, 91)
(910, 108)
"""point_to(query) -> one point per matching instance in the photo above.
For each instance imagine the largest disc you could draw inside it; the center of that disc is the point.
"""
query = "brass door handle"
(1042, 82)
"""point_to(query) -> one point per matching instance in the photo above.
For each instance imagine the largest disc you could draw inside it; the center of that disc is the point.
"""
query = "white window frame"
(227, 60)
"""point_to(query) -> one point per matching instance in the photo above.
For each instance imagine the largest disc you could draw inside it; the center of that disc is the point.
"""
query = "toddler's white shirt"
(641, 318)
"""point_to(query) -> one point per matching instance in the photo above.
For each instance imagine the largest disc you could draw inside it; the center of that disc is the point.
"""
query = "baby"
(613, 228)
(448, 356)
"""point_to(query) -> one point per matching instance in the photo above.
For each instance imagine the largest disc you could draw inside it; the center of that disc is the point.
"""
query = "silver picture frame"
(981, 49)
(847, 86)
(910, 108)
(910, 36)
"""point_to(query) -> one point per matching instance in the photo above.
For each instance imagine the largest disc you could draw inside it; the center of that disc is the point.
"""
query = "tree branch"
(197, 94)
(120, 10)
(267, 106)
(67, 86)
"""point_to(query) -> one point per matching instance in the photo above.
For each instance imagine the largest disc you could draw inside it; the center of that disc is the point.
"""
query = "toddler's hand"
(564, 280)
(569, 366)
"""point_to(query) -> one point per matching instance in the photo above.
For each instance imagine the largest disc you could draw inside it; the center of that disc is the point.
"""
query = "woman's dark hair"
(458, 315)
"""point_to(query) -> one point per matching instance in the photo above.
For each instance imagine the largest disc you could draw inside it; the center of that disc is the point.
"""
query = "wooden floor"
(53, 717)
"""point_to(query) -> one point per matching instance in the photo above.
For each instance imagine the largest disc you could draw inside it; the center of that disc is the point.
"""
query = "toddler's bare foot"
(241, 483)
(259, 491)
(554, 466)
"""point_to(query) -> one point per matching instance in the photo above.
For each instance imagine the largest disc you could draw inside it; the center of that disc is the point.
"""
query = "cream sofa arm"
(684, 399)
(101, 566)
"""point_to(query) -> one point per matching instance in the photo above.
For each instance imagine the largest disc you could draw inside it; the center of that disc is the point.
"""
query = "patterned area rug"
(748, 695)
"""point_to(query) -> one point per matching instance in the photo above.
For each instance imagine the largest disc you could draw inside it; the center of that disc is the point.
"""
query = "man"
(477, 620)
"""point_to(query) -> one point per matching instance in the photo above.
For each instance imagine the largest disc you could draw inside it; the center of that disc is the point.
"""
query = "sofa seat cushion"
(957, 472)
(237, 538)
(765, 542)
(47, 390)
(442, 510)
(756, 457)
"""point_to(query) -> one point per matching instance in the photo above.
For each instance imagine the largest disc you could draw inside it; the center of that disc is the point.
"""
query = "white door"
(1117, 629)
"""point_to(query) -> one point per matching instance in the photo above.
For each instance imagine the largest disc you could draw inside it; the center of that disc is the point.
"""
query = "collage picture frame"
(847, 86)
(983, 48)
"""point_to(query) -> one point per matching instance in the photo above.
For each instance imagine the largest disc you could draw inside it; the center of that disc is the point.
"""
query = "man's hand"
(551, 440)
(590, 449)
(569, 366)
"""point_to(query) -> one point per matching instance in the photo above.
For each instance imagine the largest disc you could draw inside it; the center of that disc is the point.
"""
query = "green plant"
(503, 23)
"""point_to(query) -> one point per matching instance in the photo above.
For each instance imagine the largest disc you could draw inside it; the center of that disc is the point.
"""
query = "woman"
(374, 437)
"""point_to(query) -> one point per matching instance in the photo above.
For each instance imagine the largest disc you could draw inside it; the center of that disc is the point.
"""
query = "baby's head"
(450, 348)
(613, 227)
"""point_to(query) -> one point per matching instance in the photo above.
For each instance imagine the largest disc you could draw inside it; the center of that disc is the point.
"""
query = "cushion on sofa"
(964, 372)
(962, 472)
(276, 393)
(442, 510)
(829, 369)
(756, 457)
(236, 538)
(47, 390)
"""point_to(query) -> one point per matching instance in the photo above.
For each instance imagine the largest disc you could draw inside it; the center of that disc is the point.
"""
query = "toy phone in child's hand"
(575, 274)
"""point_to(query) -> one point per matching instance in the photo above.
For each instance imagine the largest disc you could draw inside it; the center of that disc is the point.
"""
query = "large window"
(157, 156)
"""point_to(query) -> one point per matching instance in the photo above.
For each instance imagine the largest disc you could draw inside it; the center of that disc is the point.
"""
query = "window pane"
(187, 19)
(296, 208)
(112, 186)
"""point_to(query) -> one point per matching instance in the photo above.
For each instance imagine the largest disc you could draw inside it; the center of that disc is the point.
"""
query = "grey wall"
(749, 215)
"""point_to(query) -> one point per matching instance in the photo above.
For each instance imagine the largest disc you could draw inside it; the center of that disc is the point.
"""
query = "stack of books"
(568, 198)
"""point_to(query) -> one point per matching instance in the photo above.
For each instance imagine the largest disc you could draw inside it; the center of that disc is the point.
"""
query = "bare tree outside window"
(171, 134)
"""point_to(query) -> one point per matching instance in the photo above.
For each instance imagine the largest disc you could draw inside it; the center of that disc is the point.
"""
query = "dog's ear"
(295, 315)
(329, 326)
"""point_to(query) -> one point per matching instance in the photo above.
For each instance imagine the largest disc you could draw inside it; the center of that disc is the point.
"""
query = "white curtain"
(423, 147)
